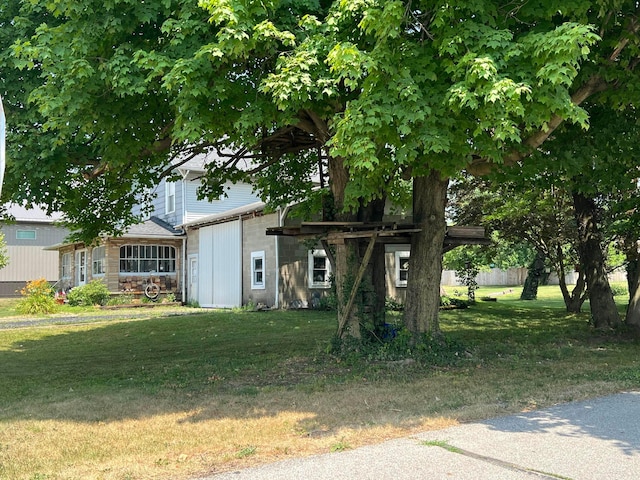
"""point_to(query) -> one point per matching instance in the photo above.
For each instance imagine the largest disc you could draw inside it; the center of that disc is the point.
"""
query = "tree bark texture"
(425, 268)
(368, 307)
(604, 312)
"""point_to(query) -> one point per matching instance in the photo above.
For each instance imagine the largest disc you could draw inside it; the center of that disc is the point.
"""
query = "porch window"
(257, 270)
(66, 265)
(402, 268)
(170, 196)
(147, 258)
(98, 261)
(319, 269)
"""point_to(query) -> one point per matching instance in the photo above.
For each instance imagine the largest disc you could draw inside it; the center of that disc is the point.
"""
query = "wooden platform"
(385, 232)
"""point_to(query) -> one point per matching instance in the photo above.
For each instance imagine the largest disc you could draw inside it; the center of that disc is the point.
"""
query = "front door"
(81, 267)
(193, 278)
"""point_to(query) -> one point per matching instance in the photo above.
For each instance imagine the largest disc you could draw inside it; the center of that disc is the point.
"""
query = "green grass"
(191, 352)
(200, 392)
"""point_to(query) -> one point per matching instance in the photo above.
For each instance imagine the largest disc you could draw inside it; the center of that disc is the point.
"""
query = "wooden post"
(356, 284)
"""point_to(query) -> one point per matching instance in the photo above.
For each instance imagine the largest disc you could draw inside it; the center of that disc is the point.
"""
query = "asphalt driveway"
(595, 439)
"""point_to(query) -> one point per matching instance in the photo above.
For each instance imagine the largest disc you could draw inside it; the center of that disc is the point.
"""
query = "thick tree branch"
(595, 84)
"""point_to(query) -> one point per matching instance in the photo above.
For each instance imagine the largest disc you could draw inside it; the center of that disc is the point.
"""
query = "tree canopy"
(101, 95)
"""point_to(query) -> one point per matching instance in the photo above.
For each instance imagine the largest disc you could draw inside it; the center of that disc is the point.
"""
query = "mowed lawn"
(180, 396)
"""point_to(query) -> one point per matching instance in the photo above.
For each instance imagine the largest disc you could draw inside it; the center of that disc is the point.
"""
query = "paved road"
(591, 440)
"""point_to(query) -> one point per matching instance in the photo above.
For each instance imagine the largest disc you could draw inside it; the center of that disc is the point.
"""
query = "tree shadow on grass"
(240, 366)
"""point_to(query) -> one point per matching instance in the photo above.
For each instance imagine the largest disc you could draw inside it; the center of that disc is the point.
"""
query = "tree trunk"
(368, 307)
(572, 300)
(345, 252)
(536, 271)
(425, 269)
(632, 317)
(604, 312)
(376, 274)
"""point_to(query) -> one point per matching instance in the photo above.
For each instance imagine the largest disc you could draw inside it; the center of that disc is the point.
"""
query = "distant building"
(26, 238)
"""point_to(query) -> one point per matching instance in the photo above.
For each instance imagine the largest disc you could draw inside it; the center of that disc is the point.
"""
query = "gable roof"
(32, 215)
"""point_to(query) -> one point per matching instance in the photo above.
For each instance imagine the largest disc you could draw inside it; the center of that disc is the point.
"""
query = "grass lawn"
(177, 396)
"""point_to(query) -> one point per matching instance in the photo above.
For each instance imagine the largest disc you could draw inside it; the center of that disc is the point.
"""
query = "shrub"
(38, 298)
(393, 305)
(93, 293)
(617, 290)
(169, 298)
(124, 299)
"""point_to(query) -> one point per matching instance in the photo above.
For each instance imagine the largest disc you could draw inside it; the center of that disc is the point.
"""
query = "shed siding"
(220, 268)
(255, 239)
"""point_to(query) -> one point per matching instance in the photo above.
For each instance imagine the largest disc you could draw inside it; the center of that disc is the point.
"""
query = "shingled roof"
(152, 228)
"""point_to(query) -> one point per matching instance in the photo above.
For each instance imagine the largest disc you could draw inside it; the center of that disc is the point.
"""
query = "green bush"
(124, 299)
(617, 290)
(38, 298)
(93, 293)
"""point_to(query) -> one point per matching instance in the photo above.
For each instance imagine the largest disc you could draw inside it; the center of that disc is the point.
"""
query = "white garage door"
(220, 269)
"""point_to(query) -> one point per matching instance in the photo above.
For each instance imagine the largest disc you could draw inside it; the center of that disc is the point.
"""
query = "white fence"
(517, 276)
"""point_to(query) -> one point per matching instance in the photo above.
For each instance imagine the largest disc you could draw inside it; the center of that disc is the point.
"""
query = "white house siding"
(220, 265)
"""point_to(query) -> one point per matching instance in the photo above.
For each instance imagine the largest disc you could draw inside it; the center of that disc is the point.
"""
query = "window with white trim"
(402, 268)
(25, 234)
(98, 261)
(319, 269)
(147, 258)
(170, 197)
(66, 265)
(257, 270)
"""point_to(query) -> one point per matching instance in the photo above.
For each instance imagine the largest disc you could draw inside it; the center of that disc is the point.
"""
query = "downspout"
(241, 259)
(276, 300)
(185, 174)
(281, 216)
(184, 267)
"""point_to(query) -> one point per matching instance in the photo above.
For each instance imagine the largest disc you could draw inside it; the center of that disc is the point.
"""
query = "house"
(153, 251)
(26, 239)
(148, 252)
(218, 253)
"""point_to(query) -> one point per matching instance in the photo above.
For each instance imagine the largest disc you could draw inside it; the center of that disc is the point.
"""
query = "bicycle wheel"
(152, 291)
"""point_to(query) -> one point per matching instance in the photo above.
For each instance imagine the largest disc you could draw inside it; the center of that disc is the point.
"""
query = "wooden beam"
(356, 284)
(333, 236)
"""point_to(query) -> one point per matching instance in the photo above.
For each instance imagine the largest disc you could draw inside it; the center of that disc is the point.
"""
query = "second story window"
(25, 235)
(170, 197)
